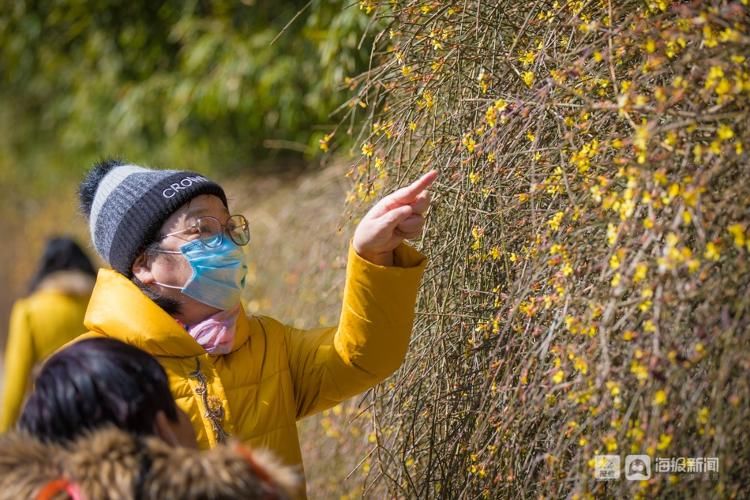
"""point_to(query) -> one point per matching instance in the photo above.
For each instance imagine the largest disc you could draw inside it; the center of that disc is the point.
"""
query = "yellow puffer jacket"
(39, 324)
(275, 374)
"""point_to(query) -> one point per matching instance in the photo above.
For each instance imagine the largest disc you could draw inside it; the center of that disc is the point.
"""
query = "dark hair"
(93, 383)
(61, 254)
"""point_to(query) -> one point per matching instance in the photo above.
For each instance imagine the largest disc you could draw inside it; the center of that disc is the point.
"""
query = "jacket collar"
(118, 309)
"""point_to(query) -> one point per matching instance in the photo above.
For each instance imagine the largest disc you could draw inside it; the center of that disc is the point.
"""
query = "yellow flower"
(558, 376)
(616, 279)
(702, 417)
(469, 142)
(712, 251)
(528, 78)
(367, 149)
(715, 73)
(490, 116)
(426, 101)
(723, 88)
(367, 6)
(642, 136)
(325, 142)
(555, 221)
(725, 132)
(640, 272)
(614, 387)
(611, 234)
(693, 265)
(567, 269)
(660, 177)
(483, 83)
(709, 37)
(581, 365)
(738, 232)
(660, 397)
(639, 370)
(614, 261)
(610, 443)
(528, 57)
(664, 441)
(687, 218)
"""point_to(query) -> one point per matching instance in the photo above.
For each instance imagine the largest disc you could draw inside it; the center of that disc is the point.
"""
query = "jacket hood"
(110, 464)
(120, 310)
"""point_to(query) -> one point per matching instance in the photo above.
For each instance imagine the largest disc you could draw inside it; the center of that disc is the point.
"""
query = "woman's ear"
(175, 433)
(142, 269)
(163, 429)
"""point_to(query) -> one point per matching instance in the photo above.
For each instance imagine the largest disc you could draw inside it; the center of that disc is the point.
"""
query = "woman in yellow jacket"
(49, 317)
(174, 291)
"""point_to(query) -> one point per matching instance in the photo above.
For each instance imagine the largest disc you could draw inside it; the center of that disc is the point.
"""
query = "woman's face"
(174, 270)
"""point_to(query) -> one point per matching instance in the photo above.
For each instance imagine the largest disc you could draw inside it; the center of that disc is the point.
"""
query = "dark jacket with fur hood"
(111, 464)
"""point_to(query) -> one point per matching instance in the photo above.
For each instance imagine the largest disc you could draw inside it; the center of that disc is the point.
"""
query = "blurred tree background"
(180, 81)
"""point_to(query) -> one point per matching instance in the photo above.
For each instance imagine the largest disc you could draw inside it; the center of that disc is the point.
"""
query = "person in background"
(101, 424)
(49, 317)
(174, 290)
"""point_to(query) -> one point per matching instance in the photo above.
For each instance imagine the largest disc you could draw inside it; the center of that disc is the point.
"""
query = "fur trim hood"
(68, 282)
(111, 464)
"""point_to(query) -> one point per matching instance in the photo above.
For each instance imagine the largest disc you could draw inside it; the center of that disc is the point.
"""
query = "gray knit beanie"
(126, 206)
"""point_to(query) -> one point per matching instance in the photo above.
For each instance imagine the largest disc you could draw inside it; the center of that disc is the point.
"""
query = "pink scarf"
(216, 333)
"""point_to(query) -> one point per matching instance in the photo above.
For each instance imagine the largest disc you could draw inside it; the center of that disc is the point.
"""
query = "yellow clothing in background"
(39, 325)
(274, 374)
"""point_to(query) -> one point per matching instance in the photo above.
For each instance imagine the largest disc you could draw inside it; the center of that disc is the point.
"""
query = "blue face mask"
(218, 273)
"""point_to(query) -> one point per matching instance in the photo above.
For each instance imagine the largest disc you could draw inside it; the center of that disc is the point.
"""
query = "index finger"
(409, 193)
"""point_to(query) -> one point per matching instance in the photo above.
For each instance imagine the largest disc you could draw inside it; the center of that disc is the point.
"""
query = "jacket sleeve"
(19, 360)
(329, 365)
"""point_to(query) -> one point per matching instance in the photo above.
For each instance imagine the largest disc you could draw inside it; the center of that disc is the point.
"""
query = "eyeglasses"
(211, 232)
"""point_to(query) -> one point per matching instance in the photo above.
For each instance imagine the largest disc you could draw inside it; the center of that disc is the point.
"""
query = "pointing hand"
(398, 216)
